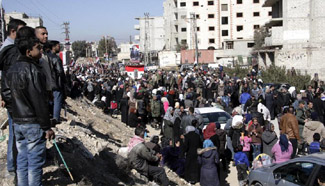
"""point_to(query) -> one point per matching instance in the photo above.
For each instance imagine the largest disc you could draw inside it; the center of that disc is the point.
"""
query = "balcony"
(137, 37)
(137, 27)
(276, 38)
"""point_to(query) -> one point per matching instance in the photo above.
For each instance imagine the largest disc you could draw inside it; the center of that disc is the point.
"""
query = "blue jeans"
(31, 146)
(11, 150)
(256, 150)
(57, 105)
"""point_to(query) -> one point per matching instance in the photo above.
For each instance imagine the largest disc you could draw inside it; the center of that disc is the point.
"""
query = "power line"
(44, 13)
(48, 10)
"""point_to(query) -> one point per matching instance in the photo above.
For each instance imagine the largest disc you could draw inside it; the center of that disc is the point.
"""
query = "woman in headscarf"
(169, 123)
(177, 125)
(209, 131)
(208, 158)
(269, 138)
(191, 144)
(282, 150)
(133, 120)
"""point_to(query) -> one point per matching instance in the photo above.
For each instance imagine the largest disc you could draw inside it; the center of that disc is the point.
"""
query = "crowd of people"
(34, 86)
(193, 148)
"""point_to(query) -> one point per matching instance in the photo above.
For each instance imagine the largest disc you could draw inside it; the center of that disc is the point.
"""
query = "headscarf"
(134, 141)
(168, 115)
(209, 131)
(284, 143)
(189, 129)
(176, 114)
(208, 143)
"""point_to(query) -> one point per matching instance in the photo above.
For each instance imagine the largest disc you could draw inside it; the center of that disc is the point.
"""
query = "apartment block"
(218, 24)
(151, 33)
(296, 36)
(29, 20)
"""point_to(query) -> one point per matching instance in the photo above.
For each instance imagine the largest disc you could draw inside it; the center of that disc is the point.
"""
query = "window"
(229, 45)
(210, 2)
(240, 28)
(211, 28)
(224, 33)
(224, 20)
(183, 16)
(198, 29)
(295, 173)
(256, 14)
(183, 29)
(197, 16)
(183, 4)
(256, 1)
(239, 1)
(196, 3)
(250, 45)
(224, 7)
(212, 117)
(270, 13)
(240, 38)
(239, 14)
(211, 16)
(211, 41)
(183, 41)
(256, 26)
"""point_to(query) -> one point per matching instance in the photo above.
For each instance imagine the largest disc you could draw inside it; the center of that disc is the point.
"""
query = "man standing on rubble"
(8, 56)
(59, 79)
(139, 156)
(24, 88)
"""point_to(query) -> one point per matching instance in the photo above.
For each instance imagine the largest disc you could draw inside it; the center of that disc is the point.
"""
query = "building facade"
(151, 33)
(30, 21)
(217, 23)
(296, 36)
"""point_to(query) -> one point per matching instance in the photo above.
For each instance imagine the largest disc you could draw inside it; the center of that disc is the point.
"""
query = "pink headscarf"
(134, 141)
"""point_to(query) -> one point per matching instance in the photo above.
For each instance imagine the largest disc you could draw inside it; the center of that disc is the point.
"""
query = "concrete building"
(29, 20)
(296, 36)
(152, 30)
(219, 24)
(124, 52)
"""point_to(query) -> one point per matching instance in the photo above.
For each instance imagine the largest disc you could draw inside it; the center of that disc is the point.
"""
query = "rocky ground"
(89, 141)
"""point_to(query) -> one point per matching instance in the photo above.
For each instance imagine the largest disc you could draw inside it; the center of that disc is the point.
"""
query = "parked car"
(212, 115)
(299, 171)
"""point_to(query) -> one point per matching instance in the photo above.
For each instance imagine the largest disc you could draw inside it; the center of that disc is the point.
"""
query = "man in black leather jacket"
(58, 79)
(24, 89)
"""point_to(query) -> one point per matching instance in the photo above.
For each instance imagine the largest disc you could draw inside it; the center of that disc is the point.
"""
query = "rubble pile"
(89, 141)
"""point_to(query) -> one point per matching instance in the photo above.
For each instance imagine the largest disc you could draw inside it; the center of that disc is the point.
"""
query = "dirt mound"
(89, 141)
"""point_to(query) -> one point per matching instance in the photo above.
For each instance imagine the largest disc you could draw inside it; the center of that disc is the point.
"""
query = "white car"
(213, 115)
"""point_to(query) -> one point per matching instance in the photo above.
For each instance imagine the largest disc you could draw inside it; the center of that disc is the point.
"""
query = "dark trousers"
(158, 173)
(294, 143)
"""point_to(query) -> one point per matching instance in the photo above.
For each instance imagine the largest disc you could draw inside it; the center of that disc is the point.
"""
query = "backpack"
(314, 147)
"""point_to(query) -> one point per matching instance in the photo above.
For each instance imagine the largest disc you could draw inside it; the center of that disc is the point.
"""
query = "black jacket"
(25, 89)
(57, 71)
(8, 57)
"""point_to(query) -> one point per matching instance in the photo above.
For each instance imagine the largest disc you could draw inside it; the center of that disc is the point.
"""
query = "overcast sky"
(89, 19)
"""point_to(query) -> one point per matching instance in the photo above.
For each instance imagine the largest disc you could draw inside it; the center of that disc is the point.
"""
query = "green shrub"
(274, 74)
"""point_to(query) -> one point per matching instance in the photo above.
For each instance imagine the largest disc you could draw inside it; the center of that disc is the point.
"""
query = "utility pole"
(194, 35)
(146, 39)
(66, 32)
(130, 40)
